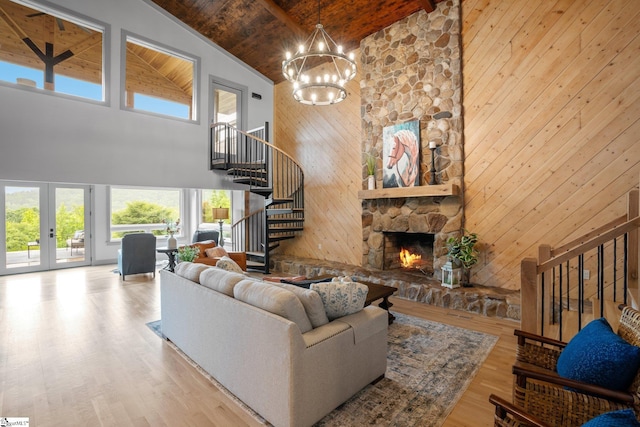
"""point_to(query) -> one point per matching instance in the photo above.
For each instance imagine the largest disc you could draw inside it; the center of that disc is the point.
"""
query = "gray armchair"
(202, 235)
(137, 254)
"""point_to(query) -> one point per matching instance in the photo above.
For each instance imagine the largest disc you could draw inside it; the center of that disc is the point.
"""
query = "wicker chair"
(541, 392)
(509, 415)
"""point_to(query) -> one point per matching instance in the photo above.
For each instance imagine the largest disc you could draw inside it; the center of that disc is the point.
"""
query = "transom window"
(51, 50)
(159, 80)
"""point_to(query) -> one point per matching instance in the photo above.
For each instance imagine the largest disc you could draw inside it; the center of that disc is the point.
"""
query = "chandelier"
(319, 69)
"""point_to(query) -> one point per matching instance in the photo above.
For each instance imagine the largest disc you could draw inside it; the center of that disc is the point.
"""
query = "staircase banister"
(261, 141)
(616, 222)
(247, 216)
(591, 244)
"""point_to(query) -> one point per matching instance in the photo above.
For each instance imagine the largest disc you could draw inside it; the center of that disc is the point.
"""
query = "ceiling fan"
(59, 21)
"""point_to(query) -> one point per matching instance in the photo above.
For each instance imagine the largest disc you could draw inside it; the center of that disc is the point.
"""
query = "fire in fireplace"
(408, 251)
(408, 259)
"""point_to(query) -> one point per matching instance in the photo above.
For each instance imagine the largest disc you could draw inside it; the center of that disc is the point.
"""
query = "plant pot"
(371, 182)
(172, 243)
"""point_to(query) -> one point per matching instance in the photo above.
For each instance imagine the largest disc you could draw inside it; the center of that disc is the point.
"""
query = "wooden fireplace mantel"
(421, 191)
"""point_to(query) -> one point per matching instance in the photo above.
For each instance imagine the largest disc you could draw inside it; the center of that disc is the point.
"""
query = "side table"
(171, 254)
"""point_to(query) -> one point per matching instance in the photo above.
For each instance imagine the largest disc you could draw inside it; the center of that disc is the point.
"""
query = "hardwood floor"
(75, 350)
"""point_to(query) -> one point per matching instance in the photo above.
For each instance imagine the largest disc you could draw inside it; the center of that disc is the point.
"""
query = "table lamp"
(220, 214)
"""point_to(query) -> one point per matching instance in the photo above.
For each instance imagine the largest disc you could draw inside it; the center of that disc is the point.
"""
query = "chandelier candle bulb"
(432, 144)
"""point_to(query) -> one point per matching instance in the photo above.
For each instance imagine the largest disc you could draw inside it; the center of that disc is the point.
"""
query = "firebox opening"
(408, 251)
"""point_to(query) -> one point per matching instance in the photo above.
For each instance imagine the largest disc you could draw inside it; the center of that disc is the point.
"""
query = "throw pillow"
(340, 299)
(216, 252)
(620, 418)
(312, 303)
(596, 355)
(228, 264)
(273, 299)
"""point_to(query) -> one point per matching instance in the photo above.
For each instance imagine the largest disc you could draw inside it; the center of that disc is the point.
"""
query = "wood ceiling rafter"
(282, 16)
(12, 24)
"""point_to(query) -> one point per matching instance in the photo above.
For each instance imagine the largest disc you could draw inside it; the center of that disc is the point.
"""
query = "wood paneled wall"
(551, 123)
(326, 142)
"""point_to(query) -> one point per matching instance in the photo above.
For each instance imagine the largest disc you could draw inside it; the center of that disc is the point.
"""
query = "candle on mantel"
(432, 144)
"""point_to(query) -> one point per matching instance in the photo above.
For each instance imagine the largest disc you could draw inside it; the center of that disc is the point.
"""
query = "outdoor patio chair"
(76, 241)
(540, 391)
(137, 254)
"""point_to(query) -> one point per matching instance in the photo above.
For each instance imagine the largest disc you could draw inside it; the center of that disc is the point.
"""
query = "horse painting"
(403, 158)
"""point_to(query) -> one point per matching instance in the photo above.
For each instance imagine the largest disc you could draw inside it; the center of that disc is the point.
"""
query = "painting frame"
(401, 155)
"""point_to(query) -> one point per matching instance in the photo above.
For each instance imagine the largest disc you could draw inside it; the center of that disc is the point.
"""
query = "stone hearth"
(488, 301)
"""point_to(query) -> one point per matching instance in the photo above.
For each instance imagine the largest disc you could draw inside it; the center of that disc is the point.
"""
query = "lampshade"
(220, 213)
(319, 69)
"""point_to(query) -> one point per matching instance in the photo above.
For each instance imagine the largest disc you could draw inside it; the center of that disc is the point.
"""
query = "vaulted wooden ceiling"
(259, 32)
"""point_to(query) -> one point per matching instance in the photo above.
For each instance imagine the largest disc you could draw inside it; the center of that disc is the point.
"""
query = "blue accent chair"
(137, 254)
(203, 235)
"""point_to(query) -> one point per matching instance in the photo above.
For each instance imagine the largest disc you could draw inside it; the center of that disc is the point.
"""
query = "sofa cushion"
(596, 355)
(190, 270)
(273, 299)
(216, 252)
(220, 280)
(340, 299)
(311, 302)
(228, 264)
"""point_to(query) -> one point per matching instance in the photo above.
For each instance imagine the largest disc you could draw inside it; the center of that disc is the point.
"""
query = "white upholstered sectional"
(289, 377)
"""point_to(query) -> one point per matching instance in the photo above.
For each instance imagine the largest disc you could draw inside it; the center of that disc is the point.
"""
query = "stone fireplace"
(411, 71)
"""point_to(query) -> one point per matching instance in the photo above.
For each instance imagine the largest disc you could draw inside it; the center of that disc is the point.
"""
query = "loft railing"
(558, 292)
(250, 159)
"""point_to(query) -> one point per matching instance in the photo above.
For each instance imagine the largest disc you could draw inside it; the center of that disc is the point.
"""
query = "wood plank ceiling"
(259, 32)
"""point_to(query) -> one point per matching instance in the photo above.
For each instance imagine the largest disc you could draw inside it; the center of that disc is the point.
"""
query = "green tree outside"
(141, 212)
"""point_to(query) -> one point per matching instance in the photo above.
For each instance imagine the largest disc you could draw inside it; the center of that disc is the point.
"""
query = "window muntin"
(51, 50)
(147, 210)
(159, 80)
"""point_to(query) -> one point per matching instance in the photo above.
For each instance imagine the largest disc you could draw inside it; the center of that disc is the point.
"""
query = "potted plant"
(188, 253)
(462, 255)
(371, 172)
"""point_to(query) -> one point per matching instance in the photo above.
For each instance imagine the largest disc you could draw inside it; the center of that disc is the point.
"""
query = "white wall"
(53, 139)
(49, 138)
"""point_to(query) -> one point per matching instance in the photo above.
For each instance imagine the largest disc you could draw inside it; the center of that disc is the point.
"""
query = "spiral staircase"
(248, 158)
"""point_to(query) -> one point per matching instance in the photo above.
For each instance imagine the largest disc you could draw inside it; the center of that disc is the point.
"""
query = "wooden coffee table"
(383, 292)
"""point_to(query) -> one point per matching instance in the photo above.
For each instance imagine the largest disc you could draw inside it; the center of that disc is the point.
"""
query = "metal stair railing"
(555, 291)
(250, 159)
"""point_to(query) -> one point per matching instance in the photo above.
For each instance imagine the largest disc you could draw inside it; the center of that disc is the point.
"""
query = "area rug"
(429, 367)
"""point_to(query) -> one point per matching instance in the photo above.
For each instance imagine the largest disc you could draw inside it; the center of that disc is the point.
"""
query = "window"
(213, 199)
(144, 210)
(49, 50)
(158, 80)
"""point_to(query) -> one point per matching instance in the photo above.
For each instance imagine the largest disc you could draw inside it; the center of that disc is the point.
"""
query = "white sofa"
(288, 377)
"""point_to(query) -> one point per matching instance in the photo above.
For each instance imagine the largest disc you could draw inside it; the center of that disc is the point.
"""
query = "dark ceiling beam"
(428, 5)
(282, 16)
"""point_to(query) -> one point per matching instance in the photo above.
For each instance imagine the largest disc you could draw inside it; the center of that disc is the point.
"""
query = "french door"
(44, 226)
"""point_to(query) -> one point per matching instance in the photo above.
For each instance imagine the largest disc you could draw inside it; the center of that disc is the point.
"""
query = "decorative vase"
(172, 243)
(371, 182)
